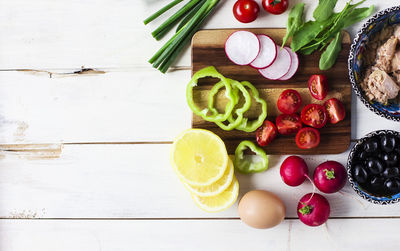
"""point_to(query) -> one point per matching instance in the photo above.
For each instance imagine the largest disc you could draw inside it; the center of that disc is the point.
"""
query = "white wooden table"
(84, 155)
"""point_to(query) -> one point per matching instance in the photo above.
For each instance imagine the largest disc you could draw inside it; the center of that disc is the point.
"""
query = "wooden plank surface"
(334, 138)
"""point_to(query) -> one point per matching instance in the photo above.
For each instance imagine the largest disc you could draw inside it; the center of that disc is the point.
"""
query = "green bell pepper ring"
(210, 72)
(251, 126)
(237, 86)
(248, 166)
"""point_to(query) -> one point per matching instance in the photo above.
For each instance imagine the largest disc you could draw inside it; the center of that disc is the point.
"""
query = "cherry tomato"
(318, 86)
(314, 115)
(289, 101)
(335, 110)
(275, 7)
(288, 124)
(307, 138)
(246, 11)
(266, 133)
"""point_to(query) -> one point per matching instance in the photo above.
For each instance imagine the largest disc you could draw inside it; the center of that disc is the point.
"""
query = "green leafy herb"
(328, 58)
(358, 15)
(295, 20)
(324, 10)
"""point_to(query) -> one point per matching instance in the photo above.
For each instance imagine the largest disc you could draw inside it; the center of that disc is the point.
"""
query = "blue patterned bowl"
(375, 24)
(351, 161)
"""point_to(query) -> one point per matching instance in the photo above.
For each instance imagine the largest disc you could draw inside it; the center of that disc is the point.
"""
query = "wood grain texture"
(208, 49)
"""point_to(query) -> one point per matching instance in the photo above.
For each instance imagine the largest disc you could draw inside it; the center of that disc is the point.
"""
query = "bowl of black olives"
(373, 167)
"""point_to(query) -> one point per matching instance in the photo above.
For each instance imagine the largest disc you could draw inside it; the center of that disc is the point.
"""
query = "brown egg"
(261, 209)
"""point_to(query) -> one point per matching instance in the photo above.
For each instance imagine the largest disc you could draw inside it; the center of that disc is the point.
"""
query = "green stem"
(168, 24)
(161, 11)
(305, 210)
(190, 14)
(329, 174)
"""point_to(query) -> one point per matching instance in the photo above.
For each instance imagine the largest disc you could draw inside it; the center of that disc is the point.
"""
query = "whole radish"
(313, 209)
(330, 177)
(294, 171)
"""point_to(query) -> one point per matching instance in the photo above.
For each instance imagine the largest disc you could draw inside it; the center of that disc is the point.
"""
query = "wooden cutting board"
(208, 49)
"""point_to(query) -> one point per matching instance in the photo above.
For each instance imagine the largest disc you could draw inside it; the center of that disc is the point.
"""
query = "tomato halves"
(314, 115)
(289, 101)
(288, 124)
(318, 86)
(307, 138)
(275, 7)
(266, 133)
(246, 11)
(335, 110)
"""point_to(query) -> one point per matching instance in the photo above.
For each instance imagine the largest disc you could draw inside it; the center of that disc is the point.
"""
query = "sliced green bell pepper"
(248, 165)
(251, 126)
(216, 117)
(237, 86)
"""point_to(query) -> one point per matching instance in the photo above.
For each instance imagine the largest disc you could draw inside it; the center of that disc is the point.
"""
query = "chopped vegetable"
(266, 133)
(242, 47)
(279, 67)
(247, 165)
(210, 72)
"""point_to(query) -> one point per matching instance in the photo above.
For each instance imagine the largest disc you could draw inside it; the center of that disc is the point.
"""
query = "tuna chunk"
(397, 32)
(396, 62)
(381, 86)
(385, 54)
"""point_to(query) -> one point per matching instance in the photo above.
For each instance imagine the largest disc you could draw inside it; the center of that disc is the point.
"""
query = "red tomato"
(275, 7)
(335, 110)
(314, 115)
(288, 124)
(307, 138)
(266, 133)
(289, 101)
(246, 11)
(318, 86)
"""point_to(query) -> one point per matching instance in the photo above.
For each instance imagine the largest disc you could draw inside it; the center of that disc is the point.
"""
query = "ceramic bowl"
(375, 24)
(352, 160)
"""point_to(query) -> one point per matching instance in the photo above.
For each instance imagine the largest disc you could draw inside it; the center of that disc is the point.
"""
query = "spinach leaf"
(324, 10)
(295, 20)
(329, 56)
(357, 15)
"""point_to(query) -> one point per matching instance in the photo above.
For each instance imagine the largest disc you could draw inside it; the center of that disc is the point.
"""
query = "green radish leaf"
(329, 56)
(324, 10)
(295, 20)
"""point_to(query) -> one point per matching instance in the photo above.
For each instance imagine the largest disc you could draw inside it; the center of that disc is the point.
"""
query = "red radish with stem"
(294, 171)
(313, 209)
(242, 47)
(330, 177)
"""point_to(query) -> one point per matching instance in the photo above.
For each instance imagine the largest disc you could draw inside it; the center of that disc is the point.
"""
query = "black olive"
(391, 172)
(390, 159)
(393, 185)
(371, 146)
(377, 182)
(380, 155)
(374, 165)
(388, 143)
(360, 174)
(363, 155)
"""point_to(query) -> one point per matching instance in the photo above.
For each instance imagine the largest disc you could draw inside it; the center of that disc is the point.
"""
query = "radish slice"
(268, 52)
(242, 47)
(293, 67)
(280, 67)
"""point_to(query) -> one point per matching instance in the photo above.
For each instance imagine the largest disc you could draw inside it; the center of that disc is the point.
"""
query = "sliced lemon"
(221, 201)
(199, 157)
(215, 188)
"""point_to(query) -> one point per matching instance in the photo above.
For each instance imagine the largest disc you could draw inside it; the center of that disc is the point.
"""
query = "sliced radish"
(242, 47)
(294, 66)
(268, 52)
(280, 66)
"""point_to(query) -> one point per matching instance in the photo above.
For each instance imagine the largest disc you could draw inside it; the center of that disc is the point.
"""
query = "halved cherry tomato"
(246, 11)
(288, 124)
(275, 7)
(314, 115)
(335, 110)
(289, 101)
(266, 133)
(307, 138)
(318, 86)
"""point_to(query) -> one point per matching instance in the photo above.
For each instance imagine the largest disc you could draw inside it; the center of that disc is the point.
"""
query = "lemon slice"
(221, 201)
(215, 188)
(199, 157)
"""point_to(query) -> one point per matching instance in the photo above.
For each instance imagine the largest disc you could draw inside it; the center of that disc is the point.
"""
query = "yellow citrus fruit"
(199, 157)
(215, 188)
(221, 201)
